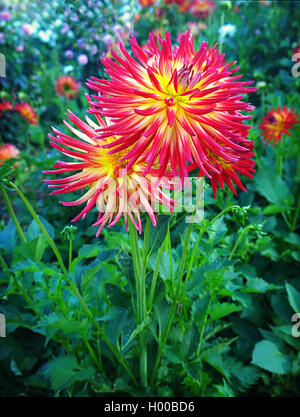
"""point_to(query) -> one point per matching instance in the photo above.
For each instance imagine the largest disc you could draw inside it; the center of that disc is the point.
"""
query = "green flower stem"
(174, 304)
(169, 246)
(198, 350)
(72, 285)
(294, 223)
(13, 215)
(190, 266)
(70, 254)
(140, 269)
(154, 279)
(238, 241)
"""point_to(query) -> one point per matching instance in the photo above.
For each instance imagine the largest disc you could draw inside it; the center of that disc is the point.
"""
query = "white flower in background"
(107, 39)
(58, 22)
(68, 68)
(45, 35)
(226, 31)
(126, 17)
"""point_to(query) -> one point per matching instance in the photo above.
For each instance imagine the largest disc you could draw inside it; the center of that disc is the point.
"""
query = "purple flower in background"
(81, 43)
(82, 59)
(107, 39)
(65, 28)
(93, 49)
(28, 29)
(5, 16)
(2, 38)
(69, 54)
(117, 29)
(20, 48)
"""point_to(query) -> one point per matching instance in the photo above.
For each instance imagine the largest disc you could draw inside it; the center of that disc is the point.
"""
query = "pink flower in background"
(20, 48)
(28, 29)
(6, 16)
(82, 59)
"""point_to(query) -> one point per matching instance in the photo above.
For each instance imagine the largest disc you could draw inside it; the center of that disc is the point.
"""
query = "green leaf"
(258, 285)
(223, 310)
(266, 355)
(273, 208)
(293, 297)
(34, 229)
(157, 234)
(271, 186)
(64, 371)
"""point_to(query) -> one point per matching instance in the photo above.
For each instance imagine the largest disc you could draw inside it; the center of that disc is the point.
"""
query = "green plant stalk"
(140, 268)
(154, 279)
(174, 304)
(238, 241)
(13, 215)
(72, 285)
(294, 222)
(169, 245)
(70, 254)
(198, 350)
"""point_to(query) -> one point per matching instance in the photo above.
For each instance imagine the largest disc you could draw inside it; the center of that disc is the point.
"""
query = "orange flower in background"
(147, 3)
(174, 106)
(202, 8)
(67, 86)
(183, 5)
(277, 123)
(27, 112)
(8, 151)
(115, 190)
(5, 106)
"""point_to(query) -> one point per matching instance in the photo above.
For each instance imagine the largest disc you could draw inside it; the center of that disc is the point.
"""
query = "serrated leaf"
(223, 310)
(267, 355)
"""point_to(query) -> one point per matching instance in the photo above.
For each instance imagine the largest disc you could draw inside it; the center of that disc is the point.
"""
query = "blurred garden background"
(235, 330)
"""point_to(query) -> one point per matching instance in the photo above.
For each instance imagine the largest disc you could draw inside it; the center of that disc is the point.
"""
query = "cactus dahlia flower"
(27, 112)
(67, 86)
(111, 187)
(276, 123)
(174, 106)
(8, 151)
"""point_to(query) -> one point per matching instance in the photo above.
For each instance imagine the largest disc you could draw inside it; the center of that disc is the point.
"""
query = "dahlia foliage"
(276, 123)
(162, 114)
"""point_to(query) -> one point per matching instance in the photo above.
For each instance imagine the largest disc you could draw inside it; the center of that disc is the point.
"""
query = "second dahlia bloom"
(67, 86)
(276, 123)
(8, 151)
(177, 105)
(115, 190)
(25, 110)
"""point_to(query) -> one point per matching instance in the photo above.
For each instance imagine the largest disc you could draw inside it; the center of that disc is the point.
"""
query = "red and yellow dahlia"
(5, 106)
(27, 112)
(8, 151)
(174, 106)
(110, 186)
(202, 8)
(67, 86)
(276, 123)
